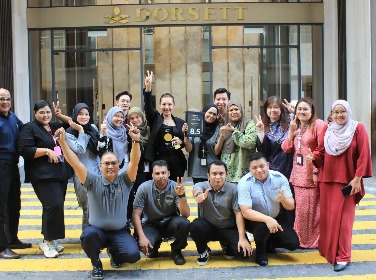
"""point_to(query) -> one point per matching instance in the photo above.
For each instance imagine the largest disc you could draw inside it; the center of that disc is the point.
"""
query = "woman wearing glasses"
(303, 140)
(47, 171)
(113, 137)
(347, 150)
(82, 137)
(166, 139)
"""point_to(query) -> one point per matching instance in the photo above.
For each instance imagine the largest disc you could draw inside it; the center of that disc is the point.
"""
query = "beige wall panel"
(219, 57)
(105, 79)
(178, 69)
(162, 61)
(134, 79)
(235, 63)
(121, 71)
(194, 67)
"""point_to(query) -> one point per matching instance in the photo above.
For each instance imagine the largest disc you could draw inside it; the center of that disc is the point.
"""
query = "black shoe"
(153, 253)
(18, 244)
(271, 249)
(97, 272)
(113, 261)
(262, 260)
(9, 254)
(339, 267)
(177, 256)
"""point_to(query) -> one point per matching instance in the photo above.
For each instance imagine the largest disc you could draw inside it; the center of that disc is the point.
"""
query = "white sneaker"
(58, 247)
(48, 249)
(250, 236)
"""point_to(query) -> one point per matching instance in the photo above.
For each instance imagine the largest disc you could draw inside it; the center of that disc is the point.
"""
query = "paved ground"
(301, 264)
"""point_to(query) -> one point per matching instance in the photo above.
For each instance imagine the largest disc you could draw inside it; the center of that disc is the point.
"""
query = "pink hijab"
(338, 137)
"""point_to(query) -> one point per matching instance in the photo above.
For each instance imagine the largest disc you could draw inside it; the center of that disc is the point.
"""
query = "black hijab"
(209, 130)
(88, 129)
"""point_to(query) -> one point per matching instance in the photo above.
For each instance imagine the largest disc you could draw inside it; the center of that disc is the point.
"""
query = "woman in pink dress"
(347, 159)
(303, 140)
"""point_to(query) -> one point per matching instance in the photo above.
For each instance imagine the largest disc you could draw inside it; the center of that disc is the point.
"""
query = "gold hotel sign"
(176, 14)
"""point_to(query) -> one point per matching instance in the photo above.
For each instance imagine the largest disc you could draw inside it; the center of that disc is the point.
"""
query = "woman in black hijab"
(82, 137)
(201, 149)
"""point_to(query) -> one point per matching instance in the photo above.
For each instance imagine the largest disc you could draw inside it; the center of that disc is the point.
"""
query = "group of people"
(271, 177)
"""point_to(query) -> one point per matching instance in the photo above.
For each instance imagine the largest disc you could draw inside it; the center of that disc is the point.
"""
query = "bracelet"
(136, 141)
(181, 196)
(46, 151)
(197, 194)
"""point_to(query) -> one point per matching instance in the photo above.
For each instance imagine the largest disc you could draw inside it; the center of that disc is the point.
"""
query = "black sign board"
(195, 121)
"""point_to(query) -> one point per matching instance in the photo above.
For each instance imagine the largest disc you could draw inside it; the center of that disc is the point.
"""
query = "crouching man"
(158, 200)
(219, 216)
(261, 193)
(107, 199)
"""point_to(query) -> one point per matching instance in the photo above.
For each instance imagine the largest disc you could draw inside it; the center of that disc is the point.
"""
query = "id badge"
(203, 162)
(57, 150)
(146, 167)
(299, 159)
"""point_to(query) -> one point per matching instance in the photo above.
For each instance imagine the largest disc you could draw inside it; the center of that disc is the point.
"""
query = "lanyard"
(300, 135)
(51, 134)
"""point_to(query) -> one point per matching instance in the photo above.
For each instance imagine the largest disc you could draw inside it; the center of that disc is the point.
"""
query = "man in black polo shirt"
(219, 216)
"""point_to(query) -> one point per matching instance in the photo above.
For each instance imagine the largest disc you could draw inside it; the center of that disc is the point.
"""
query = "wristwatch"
(136, 141)
(181, 196)
(46, 151)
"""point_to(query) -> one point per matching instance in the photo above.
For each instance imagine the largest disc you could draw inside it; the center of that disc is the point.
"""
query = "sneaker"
(225, 253)
(177, 256)
(97, 272)
(114, 263)
(204, 257)
(58, 247)
(48, 249)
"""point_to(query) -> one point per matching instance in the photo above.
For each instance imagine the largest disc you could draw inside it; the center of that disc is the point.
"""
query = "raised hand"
(309, 157)
(75, 126)
(57, 111)
(104, 127)
(259, 123)
(293, 125)
(288, 106)
(230, 128)
(201, 197)
(280, 196)
(148, 81)
(133, 132)
(179, 189)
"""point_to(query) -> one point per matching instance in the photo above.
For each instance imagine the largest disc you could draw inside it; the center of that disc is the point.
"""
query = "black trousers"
(177, 227)
(202, 232)
(52, 195)
(140, 178)
(10, 202)
(287, 238)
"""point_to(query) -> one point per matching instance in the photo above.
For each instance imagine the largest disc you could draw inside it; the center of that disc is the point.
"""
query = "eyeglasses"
(108, 163)
(3, 99)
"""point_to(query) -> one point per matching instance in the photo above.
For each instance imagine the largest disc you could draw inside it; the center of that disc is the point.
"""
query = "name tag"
(57, 150)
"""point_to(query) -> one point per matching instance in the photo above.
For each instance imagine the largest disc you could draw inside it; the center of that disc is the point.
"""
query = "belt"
(9, 161)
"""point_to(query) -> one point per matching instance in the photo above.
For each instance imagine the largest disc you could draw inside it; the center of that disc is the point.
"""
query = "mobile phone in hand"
(346, 190)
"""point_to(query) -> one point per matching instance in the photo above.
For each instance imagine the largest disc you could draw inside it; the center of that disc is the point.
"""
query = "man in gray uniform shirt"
(158, 200)
(219, 216)
(108, 200)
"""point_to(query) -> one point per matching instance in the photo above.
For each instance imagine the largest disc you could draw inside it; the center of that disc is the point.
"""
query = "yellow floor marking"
(364, 225)
(365, 212)
(38, 222)
(38, 212)
(37, 203)
(34, 196)
(74, 264)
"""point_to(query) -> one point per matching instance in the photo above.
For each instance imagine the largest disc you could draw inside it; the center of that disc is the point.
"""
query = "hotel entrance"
(253, 61)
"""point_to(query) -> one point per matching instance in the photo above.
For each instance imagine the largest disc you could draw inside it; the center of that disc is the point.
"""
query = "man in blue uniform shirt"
(261, 194)
(10, 185)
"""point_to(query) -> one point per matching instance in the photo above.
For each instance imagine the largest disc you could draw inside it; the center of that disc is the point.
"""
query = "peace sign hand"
(293, 124)
(133, 132)
(148, 81)
(259, 123)
(179, 189)
(57, 111)
(288, 106)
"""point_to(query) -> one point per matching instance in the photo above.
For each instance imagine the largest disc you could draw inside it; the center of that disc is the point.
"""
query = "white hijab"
(338, 137)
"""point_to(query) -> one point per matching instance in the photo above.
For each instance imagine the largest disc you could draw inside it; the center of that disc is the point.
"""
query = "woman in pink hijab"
(346, 160)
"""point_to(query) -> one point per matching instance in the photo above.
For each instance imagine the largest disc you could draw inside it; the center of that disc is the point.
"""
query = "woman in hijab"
(201, 149)
(236, 141)
(82, 137)
(347, 152)
(114, 137)
(137, 118)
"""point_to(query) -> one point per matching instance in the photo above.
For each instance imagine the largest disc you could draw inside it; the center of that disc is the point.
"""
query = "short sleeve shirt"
(156, 204)
(108, 201)
(261, 196)
(220, 206)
